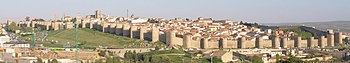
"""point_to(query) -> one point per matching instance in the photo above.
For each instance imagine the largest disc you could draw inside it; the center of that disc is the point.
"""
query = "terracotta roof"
(219, 53)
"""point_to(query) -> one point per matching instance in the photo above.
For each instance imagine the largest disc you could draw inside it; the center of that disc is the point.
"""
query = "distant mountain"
(343, 26)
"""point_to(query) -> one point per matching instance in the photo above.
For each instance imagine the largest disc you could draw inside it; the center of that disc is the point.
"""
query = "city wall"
(171, 38)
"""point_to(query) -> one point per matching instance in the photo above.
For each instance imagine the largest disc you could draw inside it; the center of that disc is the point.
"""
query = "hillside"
(92, 38)
(336, 25)
(167, 56)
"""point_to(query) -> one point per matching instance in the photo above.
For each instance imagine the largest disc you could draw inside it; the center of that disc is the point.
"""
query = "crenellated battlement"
(185, 38)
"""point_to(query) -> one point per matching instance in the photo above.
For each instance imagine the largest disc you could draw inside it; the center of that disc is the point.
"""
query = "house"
(5, 38)
(223, 55)
(15, 44)
(27, 59)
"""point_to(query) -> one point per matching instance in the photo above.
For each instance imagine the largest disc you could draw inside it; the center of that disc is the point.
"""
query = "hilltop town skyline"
(126, 37)
(250, 11)
(176, 31)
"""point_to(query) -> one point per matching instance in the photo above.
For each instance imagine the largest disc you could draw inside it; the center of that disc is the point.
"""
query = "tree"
(157, 47)
(82, 43)
(113, 59)
(54, 61)
(155, 59)
(27, 18)
(216, 60)
(257, 59)
(140, 57)
(146, 58)
(199, 52)
(48, 61)
(256, 25)
(12, 27)
(116, 59)
(278, 57)
(165, 60)
(102, 53)
(99, 61)
(128, 56)
(109, 60)
(134, 56)
(39, 60)
(291, 59)
(39, 19)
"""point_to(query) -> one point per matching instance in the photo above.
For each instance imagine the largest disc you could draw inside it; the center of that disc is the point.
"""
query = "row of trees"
(291, 59)
(153, 57)
(298, 32)
(110, 57)
(39, 60)
(38, 19)
(132, 57)
(12, 27)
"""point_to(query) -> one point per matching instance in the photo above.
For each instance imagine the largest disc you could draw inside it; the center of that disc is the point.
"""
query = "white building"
(268, 31)
(15, 44)
(27, 59)
(137, 20)
(5, 38)
(60, 60)
(272, 52)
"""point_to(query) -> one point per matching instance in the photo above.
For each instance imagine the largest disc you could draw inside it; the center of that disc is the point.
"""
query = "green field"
(298, 32)
(165, 56)
(91, 38)
(178, 58)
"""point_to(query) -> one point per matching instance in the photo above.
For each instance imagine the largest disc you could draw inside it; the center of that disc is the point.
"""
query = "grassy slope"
(304, 35)
(29, 36)
(177, 58)
(93, 38)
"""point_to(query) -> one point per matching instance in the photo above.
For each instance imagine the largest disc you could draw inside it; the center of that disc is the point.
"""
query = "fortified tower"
(83, 24)
(91, 24)
(275, 42)
(33, 23)
(187, 40)
(322, 42)
(204, 43)
(55, 25)
(310, 42)
(142, 32)
(170, 38)
(338, 38)
(132, 30)
(284, 42)
(297, 42)
(97, 14)
(330, 40)
(242, 42)
(223, 43)
(104, 27)
(155, 34)
(78, 19)
(347, 39)
(258, 42)
(126, 28)
(47, 26)
(119, 29)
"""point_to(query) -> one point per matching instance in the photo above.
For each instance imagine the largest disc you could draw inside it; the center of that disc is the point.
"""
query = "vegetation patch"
(89, 38)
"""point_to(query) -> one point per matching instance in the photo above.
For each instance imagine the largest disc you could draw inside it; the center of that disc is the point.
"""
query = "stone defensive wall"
(46, 25)
(152, 32)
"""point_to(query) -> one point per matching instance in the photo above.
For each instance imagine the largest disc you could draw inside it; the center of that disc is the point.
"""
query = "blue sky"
(261, 11)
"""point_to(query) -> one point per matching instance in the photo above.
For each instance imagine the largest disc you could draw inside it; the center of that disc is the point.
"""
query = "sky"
(260, 11)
